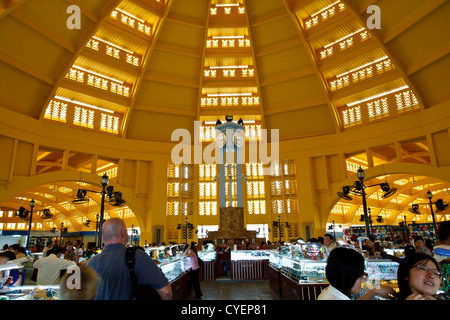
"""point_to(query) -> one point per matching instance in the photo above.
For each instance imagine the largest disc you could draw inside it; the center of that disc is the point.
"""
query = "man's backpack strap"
(141, 292)
(130, 259)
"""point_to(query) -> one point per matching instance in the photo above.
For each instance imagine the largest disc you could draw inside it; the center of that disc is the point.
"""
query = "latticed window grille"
(283, 187)
(208, 189)
(256, 193)
(180, 189)
(172, 233)
(293, 230)
(56, 111)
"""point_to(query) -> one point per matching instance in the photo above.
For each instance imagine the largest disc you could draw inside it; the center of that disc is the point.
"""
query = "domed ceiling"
(139, 69)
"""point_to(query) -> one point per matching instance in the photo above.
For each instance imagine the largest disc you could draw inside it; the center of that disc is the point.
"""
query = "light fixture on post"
(278, 224)
(27, 215)
(359, 189)
(114, 198)
(185, 229)
(332, 226)
(430, 196)
(32, 204)
(104, 181)
(439, 203)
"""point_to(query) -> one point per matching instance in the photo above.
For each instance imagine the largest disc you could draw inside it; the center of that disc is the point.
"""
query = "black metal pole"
(434, 219)
(366, 215)
(29, 229)
(102, 211)
(186, 229)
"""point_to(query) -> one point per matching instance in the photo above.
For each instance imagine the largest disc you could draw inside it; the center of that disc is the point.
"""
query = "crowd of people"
(419, 272)
(109, 275)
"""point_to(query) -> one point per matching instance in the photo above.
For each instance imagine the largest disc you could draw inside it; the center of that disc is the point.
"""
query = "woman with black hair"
(345, 273)
(419, 277)
(191, 251)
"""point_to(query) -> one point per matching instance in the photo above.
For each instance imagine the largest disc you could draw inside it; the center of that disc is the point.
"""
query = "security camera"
(245, 178)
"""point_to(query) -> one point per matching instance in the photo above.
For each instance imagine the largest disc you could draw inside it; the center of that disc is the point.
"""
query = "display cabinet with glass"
(302, 270)
(245, 255)
(172, 270)
(209, 255)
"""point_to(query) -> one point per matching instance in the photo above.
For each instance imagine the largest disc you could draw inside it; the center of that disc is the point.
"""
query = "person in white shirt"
(345, 273)
(49, 268)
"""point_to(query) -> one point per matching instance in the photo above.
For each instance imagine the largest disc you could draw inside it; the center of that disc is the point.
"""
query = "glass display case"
(245, 255)
(29, 293)
(381, 269)
(303, 270)
(209, 255)
(172, 269)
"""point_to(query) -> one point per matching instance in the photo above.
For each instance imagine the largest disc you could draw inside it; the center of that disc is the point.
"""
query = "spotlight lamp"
(440, 206)
(22, 213)
(81, 197)
(414, 209)
(109, 191)
(81, 193)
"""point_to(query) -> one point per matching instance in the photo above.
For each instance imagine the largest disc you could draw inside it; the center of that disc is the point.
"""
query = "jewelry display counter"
(208, 270)
(250, 264)
(297, 278)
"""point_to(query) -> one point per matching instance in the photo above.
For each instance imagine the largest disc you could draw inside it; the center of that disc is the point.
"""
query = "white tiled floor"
(237, 290)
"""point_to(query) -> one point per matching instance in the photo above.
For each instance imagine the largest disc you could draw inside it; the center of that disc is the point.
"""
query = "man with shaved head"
(110, 264)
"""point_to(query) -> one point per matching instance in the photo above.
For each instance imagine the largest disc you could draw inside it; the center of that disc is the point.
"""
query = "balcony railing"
(360, 74)
(382, 107)
(112, 50)
(343, 44)
(98, 81)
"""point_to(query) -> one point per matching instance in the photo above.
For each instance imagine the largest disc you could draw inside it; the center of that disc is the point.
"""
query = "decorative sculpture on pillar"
(230, 140)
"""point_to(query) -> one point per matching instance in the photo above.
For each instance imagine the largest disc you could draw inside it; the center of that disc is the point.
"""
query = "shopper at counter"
(111, 266)
(420, 246)
(50, 267)
(442, 250)
(195, 269)
(419, 277)
(373, 249)
(17, 249)
(69, 254)
(345, 273)
(16, 277)
(329, 245)
(48, 246)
